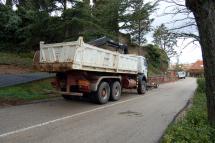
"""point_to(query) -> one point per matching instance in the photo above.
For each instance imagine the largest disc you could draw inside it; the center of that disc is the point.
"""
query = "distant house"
(196, 69)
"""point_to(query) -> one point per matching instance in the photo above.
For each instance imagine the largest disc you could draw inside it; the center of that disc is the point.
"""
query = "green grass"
(194, 127)
(26, 92)
(22, 59)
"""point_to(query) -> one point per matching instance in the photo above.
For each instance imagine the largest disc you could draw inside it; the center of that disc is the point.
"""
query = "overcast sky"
(192, 52)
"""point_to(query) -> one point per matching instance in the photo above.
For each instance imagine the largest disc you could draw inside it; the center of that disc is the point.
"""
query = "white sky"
(192, 52)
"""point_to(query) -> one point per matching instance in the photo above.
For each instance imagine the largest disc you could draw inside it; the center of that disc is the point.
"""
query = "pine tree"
(135, 19)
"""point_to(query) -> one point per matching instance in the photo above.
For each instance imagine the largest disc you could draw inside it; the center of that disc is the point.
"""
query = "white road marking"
(66, 117)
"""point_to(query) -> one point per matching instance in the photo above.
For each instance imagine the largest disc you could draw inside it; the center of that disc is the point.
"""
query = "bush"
(157, 58)
(201, 85)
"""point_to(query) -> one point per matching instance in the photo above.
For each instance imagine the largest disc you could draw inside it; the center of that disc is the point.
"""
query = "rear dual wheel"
(102, 94)
(115, 91)
(106, 92)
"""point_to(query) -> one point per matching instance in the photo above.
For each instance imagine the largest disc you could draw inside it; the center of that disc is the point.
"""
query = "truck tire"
(115, 91)
(141, 89)
(102, 94)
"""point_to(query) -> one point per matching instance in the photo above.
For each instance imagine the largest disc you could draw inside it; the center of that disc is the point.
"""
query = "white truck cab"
(142, 66)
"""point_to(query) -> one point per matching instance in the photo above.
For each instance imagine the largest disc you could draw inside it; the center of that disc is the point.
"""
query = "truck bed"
(77, 55)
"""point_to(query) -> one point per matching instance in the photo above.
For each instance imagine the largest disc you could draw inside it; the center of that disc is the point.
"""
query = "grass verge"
(194, 127)
(22, 59)
(25, 92)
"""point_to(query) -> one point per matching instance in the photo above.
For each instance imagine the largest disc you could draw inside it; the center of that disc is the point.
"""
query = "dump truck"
(83, 69)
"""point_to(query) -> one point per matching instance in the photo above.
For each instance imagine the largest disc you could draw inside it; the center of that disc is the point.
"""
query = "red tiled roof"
(197, 65)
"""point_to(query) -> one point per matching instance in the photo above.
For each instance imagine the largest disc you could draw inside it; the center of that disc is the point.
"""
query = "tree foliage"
(157, 58)
(9, 25)
(33, 21)
(106, 13)
(165, 40)
(135, 18)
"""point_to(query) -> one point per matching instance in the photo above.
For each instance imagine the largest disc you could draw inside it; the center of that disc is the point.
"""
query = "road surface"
(14, 79)
(133, 119)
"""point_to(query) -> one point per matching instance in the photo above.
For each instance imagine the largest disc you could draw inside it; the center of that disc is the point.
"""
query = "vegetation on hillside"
(157, 59)
(34, 21)
(21, 59)
(22, 29)
(194, 127)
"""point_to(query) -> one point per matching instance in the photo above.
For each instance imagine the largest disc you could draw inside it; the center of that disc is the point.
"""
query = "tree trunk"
(66, 31)
(64, 5)
(139, 37)
(204, 13)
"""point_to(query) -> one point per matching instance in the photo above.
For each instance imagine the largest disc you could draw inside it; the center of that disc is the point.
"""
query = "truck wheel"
(115, 91)
(141, 89)
(103, 93)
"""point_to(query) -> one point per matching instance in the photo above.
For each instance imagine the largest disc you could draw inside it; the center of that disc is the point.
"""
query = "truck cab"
(142, 66)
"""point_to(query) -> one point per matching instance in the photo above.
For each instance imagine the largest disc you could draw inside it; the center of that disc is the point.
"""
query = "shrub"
(201, 85)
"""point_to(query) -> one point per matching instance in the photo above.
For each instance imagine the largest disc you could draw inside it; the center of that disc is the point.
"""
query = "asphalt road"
(14, 79)
(133, 119)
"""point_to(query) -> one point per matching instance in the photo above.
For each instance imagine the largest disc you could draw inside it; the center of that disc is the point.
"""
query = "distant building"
(186, 67)
(196, 69)
(180, 67)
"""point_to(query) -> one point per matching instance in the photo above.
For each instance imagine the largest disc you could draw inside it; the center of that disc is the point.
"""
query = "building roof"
(197, 65)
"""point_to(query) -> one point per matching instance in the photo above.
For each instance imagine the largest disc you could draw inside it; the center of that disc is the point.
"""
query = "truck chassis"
(102, 87)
